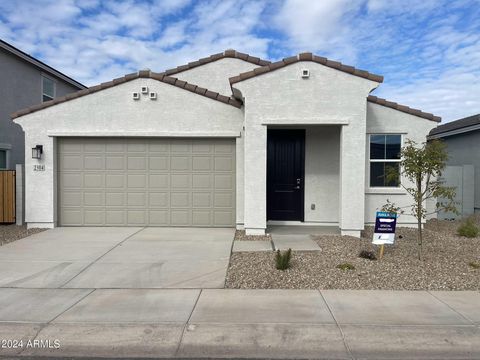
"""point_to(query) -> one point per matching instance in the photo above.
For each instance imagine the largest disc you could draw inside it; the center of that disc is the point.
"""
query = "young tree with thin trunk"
(422, 165)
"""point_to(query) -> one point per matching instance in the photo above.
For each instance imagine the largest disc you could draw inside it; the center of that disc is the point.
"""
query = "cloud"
(428, 51)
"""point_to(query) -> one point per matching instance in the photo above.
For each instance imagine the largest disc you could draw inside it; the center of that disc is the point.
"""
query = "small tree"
(421, 165)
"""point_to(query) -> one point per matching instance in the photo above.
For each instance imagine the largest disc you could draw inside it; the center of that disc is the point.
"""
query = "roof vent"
(136, 96)
(305, 73)
(144, 89)
(153, 96)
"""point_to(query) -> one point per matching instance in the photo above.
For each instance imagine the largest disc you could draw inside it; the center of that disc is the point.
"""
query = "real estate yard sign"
(385, 224)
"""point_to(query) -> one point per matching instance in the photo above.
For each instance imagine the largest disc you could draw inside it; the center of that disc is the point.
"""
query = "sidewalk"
(190, 323)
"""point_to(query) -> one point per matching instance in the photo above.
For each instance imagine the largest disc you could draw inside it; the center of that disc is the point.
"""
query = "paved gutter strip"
(187, 323)
(45, 325)
(338, 326)
(101, 256)
(452, 308)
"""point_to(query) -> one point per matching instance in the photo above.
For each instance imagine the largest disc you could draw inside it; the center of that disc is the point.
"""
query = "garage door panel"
(180, 199)
(94, 217)
(70, 180)
(115, 199)
(115, 217)
(202, 199)
(114, 181)
(114, 162)
(180, 217)
(136, 181)
(180, 181)
(140, 182)
(159, 218)
(93, 198)
(158, 199)
(158, 163)
(93, 180)
(136, 217)
(72, 198)
(201, 217)
(202, 163)
(71, 162)
(136, 199)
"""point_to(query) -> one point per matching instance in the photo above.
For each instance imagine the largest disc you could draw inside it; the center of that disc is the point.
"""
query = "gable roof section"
(464, 125)
(48, 69)
(230, 53)
(306, 57)
(141, 74)
(403, 108)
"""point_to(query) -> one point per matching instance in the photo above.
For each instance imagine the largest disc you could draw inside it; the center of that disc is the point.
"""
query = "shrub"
(474, 265)
(346, 266)
(468, 229)
(366, 254)
(282, 260)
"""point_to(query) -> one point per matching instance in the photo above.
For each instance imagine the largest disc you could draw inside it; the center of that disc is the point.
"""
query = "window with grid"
(48, 89)
(384, 156)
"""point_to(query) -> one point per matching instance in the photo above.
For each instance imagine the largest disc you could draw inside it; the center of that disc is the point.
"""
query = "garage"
(146, 182)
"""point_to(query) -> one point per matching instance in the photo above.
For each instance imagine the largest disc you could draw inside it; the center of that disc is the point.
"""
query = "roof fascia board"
(48, 69)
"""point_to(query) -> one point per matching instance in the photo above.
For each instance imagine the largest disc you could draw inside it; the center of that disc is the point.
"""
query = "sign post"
(384, 233)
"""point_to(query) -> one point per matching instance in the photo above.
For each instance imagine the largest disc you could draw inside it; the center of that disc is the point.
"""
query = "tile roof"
(456, 125)
(226, 54)
(141, 74)
(403, 108)
(306, 57)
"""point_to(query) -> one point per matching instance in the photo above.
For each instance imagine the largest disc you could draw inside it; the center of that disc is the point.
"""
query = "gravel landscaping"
(241, 236)
(9, 233)
(450, 263)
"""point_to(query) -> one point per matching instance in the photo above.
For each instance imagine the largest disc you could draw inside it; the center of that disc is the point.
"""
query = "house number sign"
(39, 167)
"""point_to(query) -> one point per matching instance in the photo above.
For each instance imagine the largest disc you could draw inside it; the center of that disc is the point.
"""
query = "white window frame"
(383, 188)
(54, 87)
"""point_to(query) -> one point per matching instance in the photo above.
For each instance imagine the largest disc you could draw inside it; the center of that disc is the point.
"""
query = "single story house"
(462, 138)
(229, 140)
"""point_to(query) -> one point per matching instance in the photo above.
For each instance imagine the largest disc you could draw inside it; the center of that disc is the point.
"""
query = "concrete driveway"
(118, 258)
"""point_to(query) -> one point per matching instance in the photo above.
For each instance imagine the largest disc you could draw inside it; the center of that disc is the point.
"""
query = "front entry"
(285, 174)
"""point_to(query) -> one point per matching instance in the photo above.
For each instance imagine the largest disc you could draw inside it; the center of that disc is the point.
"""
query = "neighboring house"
(24, 81)
(462, 138)
(229, 140)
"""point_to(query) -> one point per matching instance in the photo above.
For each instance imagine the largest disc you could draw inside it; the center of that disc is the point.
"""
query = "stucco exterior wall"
(383, 120)
(322, 174)
(113, 112)
(214, 76)
(328, 97)
(464, 149)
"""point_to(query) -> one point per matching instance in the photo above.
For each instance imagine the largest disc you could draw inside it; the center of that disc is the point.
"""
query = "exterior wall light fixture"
(37, 152)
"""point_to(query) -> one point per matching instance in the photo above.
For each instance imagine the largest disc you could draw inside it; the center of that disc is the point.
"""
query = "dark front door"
(285, 174)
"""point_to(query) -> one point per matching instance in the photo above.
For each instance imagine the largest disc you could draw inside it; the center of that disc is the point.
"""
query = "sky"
(427, 50)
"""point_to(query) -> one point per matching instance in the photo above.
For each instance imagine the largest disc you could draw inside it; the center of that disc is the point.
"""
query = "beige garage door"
(155, 182)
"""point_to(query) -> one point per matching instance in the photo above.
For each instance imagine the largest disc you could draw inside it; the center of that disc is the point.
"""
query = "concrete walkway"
(215, 323)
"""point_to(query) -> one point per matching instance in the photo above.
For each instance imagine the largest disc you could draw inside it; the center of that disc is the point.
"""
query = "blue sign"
(385, 224)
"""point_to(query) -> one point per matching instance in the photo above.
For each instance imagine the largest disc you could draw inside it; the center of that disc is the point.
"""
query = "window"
(48, 89)
(3, 159)
(384, 157)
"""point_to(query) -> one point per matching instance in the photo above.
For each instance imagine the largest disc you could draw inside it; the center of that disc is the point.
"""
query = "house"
(228, 140)
(462, 138)
(24, 81)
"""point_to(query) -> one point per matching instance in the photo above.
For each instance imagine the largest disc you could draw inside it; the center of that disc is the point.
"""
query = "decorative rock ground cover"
(449, 264)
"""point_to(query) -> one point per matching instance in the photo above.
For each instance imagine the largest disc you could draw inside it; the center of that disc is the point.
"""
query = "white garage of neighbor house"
(229, 140)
